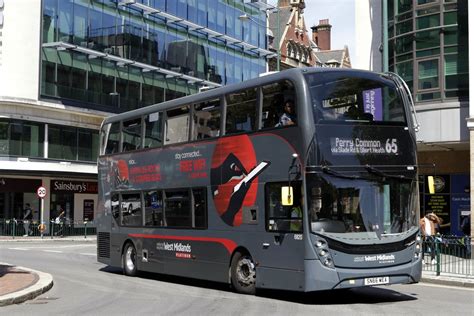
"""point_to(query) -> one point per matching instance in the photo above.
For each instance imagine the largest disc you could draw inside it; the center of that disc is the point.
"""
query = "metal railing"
(452, 255)
(18, 228)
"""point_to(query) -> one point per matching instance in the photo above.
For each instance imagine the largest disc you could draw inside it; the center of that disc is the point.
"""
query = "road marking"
(88, 254)
(48, 247)
(22, 249)
(55, 251)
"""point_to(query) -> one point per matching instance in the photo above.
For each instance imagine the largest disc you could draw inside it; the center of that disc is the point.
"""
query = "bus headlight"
(323, 253)
(327, 262)
(320, 243)
(418, 247)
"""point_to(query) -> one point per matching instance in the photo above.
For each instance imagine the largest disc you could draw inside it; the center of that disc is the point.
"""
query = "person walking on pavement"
(466, 229)
(27, 217)
(60, 221)
(429, 226)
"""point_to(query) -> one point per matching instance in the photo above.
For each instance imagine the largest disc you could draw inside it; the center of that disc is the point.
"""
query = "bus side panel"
(281, 279)
(184, 253)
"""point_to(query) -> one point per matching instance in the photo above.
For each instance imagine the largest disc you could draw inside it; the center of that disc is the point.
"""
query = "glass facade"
(27, 139)
(428, 47)
(78, 34)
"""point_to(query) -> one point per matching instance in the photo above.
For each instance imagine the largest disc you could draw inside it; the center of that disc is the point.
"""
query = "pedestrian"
(60, 221)
(429, 226)
(27, 217)
(466, 229)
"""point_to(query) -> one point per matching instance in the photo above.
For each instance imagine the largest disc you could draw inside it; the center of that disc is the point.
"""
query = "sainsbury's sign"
(74, 186)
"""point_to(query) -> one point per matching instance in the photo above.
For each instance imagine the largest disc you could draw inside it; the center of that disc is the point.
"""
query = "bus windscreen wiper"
(331, 172)
(383, 174)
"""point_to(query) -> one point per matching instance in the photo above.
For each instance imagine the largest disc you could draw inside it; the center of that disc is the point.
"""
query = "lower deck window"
(280, 217)
(181, 208)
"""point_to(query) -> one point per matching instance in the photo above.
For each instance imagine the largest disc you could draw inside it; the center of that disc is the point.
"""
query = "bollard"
(85, 230)
(51, 232)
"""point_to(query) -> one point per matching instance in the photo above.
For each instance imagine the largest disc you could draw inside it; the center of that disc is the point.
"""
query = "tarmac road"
(82, 286)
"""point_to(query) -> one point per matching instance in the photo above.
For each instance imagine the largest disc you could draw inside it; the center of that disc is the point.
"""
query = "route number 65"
(391, 146)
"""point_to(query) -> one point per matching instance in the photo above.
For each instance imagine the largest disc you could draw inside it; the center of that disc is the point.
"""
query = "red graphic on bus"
(234, 173)
(121, 173)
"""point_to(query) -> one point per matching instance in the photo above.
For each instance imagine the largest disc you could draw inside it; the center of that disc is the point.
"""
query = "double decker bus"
(213, 186)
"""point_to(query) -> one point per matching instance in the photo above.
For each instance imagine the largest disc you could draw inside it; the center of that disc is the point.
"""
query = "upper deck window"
(275, 112)
(241, 111)
(339, 97)
(132, 131)
(153, 133)
(177, 125)
(113, 140)
(207, 119)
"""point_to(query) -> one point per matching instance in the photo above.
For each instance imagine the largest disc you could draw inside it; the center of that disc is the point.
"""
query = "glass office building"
(67, 64)
(428, 47)
(121, 55)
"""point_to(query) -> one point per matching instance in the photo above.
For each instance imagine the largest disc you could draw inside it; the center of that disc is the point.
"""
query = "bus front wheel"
(129, 260)
(243, 274)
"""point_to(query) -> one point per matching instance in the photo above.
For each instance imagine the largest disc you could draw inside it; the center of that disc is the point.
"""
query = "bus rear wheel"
(243, 274)
(129, 260)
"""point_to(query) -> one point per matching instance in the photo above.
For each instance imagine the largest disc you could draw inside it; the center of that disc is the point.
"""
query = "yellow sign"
(41, 228)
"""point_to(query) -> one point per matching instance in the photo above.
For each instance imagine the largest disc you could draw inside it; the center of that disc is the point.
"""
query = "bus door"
(282, 244)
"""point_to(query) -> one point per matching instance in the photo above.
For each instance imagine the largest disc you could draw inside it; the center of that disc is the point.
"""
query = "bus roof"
(295, 75)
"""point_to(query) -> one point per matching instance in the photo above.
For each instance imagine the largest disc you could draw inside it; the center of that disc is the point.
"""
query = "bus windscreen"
(357, 207)
(339, 97)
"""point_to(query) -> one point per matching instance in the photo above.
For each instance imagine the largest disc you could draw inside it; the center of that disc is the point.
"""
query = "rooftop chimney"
(322, 34)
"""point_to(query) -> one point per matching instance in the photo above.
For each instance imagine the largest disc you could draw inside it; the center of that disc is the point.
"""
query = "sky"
(341, 16)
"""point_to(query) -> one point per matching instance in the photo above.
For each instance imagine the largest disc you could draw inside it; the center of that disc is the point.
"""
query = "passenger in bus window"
(288, 117)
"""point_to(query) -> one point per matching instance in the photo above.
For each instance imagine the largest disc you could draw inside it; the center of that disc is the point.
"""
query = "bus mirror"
(431, 187)
(286, 196)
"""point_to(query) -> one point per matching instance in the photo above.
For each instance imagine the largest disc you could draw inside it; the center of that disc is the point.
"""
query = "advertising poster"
(88, 210)
(439, 202)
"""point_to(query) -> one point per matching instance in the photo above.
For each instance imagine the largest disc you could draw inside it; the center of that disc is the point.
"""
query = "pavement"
(19, 284)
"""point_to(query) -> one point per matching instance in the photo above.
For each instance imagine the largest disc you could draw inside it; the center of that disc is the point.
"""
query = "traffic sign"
(41, 192)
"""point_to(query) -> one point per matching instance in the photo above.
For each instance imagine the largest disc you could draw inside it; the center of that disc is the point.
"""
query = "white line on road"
(88, 254)
(22, 249)
(55, 251)
(55, 247)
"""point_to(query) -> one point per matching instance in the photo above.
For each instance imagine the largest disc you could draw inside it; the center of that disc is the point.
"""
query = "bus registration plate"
(376, 281)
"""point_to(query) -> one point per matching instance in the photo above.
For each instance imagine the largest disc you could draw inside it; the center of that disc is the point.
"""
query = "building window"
(64, 143)
(428, 74)
(21, 138)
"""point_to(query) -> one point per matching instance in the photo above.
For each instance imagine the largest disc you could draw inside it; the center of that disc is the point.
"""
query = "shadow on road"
(364, 295)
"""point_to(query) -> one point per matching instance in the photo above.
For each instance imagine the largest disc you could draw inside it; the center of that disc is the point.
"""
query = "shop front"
(450, 201)
(78, 199)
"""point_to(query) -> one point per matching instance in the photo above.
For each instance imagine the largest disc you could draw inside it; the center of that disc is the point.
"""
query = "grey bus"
(302, 180)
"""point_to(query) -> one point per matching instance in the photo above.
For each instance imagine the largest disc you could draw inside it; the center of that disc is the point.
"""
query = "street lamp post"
(246, 17)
